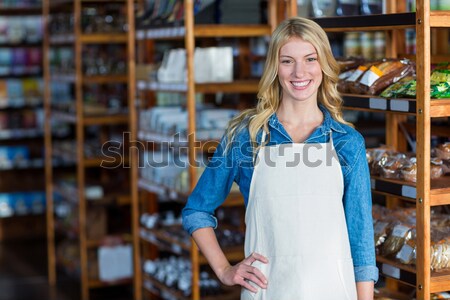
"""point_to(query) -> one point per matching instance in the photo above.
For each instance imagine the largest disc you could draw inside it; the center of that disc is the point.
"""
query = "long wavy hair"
(270, 92)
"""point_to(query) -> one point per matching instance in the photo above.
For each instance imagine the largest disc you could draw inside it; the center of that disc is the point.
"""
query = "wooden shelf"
(239, 86)
(439, 107)
(105, 79)
(20, 11)
(205, 31)
(233, 199)
(103, 38)
(89, 120)
(439, 19)
(440, 281)
(440, 189)
(176, 141)
(95, 283)
(368, 23)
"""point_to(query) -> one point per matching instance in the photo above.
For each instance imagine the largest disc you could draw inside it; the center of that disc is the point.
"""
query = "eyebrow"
(313, 53)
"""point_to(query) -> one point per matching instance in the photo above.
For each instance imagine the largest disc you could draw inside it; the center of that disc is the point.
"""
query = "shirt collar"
(327, 125)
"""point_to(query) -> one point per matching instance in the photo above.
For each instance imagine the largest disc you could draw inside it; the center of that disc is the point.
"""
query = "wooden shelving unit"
(425, 193)
(27, 169)
(82, 122)
(151, 241)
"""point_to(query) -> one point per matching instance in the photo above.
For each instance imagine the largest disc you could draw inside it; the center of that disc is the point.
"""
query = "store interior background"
(97, 109)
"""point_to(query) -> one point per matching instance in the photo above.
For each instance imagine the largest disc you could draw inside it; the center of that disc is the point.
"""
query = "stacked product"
(15, 30)
(395, 236)
(23, 203)
(20, 3)
(172, 121)
(176, 273)
(21, 92)
(395, 165)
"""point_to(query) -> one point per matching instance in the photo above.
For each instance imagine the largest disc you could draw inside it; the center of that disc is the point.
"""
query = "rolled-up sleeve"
(212, 189)
(358, 211)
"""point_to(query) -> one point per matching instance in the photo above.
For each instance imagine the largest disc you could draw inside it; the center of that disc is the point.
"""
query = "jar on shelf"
(410, 41)
(303, 8)
(347, 8)
(351, 44)
(367, 44)
(371, 7)
(379, 45)
(324, 8)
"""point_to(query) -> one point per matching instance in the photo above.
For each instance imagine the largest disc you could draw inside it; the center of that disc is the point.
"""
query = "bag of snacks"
(392, 90)
(399, 236)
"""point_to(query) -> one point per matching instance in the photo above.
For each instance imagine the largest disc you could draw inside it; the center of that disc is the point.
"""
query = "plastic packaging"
(303, 8)
(393, 90)
(399, 236)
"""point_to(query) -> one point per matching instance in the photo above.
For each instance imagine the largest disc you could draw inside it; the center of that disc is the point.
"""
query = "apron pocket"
(347, 275)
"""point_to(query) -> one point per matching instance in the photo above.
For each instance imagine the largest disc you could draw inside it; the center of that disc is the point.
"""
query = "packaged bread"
(380, 230)
(409, 170)
(407, 253)
(440, 255)
(436, 168)
(350, 83)
(443, 151)
(380, 76)
(349, 63)
(390, 166)
(400, 234)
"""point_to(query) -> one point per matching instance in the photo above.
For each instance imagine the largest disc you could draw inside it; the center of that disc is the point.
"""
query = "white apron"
(295, 218)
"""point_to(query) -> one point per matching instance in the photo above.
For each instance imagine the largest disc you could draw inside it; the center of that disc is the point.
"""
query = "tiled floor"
(23, 276)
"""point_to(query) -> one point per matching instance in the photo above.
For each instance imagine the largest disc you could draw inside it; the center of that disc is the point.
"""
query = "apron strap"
(263, 140)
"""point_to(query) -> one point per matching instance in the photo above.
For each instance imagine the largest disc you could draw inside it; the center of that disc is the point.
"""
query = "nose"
(299, 69)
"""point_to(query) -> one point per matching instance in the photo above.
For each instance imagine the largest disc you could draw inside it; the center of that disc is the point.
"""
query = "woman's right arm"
(198, 216)
(240, 274)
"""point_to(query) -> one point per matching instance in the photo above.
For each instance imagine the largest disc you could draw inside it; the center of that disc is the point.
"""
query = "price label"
(409, 191)
(373, 183)
(400, 105)
(378, 103)
(390, 271)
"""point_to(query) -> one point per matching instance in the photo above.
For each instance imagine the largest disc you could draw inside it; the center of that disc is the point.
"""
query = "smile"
(300, 84)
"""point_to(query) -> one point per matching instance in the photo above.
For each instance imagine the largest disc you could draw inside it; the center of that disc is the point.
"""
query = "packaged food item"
(371, 7)
(407, 253)
(409, 170)
(347, 8)
(443, 151)
(440, 255)
(324, 8)
(436, 168)
(380, 230)
(391, 165)
(399, 236)
(392, 90)
(380, 76)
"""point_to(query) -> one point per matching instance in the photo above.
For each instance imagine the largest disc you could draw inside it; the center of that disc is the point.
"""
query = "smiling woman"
(302, 241)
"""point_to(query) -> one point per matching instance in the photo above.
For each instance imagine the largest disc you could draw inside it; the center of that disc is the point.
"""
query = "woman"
(303, 173)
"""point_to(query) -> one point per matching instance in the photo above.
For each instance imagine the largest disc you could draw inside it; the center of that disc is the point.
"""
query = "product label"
(405, 254)
(371, 76)
(400, 231)
(357, 73)
(380, 227)
(390, 271)
(346, 74)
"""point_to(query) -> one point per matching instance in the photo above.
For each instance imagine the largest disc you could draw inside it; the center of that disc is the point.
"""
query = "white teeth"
(300, 84)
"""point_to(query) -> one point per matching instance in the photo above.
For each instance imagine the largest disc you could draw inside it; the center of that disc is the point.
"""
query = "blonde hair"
(269, 95)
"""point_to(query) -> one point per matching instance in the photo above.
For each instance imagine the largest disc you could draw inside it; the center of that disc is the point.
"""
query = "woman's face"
(299, 71)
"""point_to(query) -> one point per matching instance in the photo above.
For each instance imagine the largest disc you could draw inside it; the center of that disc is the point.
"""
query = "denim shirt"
(236, 165)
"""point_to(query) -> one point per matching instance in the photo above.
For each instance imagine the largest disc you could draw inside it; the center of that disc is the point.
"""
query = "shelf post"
(48, 149)
(423, 149)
